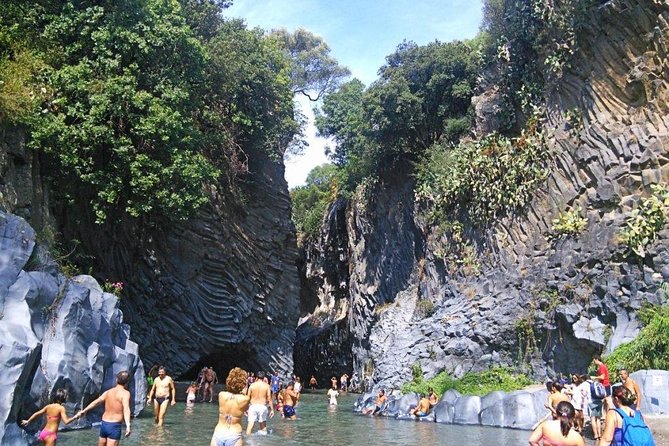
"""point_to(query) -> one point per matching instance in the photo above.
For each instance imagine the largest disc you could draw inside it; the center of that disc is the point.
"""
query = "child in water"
(55, 413)
(191, 392)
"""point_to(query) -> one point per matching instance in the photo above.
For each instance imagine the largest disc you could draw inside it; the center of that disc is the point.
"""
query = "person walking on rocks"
(55, 413)
(161, 392)
(117, 411)
(261, 395)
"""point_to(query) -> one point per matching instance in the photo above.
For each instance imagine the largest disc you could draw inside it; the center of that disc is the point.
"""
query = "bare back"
(115, 401)
(231, 407)
(550, 433)
(54, 413)
(260, 393)
(289, 397)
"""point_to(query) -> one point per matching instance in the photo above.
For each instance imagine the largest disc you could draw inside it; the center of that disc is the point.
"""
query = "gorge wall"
(387, 297)
(219, 289)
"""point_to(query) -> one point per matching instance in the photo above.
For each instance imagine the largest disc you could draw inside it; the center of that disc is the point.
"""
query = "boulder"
(57, 332)
(654, 386)
(444, 412)
(467, 409)
(492, 409)
(519, 410)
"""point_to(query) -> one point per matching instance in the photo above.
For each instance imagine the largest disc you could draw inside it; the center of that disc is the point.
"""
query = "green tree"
(119, 126)
(313, 71)
(311, 201)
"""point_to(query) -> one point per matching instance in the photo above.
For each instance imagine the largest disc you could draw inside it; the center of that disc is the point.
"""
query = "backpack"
(597, 390)
(635, 432)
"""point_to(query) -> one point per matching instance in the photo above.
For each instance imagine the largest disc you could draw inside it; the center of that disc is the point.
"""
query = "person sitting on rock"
(423, 407)
(432, 397)
(378, 405)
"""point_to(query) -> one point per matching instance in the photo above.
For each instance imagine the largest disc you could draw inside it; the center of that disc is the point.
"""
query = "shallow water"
(317, 424)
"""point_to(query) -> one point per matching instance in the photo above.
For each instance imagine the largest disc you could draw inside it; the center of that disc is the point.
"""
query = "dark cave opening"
(223, 360)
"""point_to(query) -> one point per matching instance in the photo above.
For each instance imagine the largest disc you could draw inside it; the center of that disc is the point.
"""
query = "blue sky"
(360, 34)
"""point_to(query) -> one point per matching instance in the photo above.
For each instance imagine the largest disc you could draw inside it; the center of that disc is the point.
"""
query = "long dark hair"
(566, 413)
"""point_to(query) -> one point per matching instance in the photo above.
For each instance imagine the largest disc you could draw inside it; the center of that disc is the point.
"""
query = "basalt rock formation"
(544, 304)
(220, 289)
(56, 332)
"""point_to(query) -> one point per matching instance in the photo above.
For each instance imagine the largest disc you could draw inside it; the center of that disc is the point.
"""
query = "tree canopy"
(136, 104)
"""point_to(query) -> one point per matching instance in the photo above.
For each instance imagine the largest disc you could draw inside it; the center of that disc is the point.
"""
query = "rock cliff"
(523, 300)
(56, 333)
(220, 289)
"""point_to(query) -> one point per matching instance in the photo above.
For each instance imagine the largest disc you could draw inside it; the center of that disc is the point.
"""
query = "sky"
(360, 34)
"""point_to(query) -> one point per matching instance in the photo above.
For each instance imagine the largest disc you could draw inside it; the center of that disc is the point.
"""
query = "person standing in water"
(210, 378)
(117, 411)
(55, 413)
(261, 396)
(333, 394)
(163, 388)
(289, 402)
(231, 408)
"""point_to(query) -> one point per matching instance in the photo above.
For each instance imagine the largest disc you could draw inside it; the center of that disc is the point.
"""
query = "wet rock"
(467, 409)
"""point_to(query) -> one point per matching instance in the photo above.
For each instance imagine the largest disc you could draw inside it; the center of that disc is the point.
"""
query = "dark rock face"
(220, 289)
(409, 306)
(56, 333)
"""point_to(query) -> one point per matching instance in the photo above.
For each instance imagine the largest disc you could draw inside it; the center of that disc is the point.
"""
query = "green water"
(317, 424)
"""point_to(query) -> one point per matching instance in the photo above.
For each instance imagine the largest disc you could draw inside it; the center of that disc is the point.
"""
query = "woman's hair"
(565, 412)
(59, 396)
(624, 395)
(236, 380)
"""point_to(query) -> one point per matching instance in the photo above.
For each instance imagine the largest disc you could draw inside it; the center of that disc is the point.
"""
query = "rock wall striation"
(575, 296)
(56, 332)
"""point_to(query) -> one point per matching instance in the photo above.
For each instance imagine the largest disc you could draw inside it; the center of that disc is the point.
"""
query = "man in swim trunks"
(633, 387)
(117, 411)
(423, 407)
(210, 378)
(312, 382)
(163, 387)
(275, 385)
(289, 401)
(261, 396)
(344, 382)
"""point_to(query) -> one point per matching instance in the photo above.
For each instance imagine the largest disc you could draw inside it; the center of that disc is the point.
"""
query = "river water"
(317, 424)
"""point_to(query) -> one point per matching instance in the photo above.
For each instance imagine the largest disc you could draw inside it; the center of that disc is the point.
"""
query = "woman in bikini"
(55, 413)
(231, 408)
(560, 431)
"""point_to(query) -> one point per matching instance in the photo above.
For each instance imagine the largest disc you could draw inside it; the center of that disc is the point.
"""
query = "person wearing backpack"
(596, 400)
(624, 425)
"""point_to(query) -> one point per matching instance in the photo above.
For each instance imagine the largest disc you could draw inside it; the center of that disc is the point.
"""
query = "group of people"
(571, 404)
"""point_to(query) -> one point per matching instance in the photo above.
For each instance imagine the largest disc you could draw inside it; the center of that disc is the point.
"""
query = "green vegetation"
(310, 202)
(644, 222)
(471, 383)
(484, 179)
(650, 349)
(423, 96)
(569, 224)
(133, 106)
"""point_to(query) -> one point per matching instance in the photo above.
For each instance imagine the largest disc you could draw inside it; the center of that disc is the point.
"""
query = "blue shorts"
(275, 389)
(288, 411)
(111, 430)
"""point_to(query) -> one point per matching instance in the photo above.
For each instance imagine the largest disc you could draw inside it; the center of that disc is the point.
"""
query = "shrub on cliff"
(650, 349)
(471, 383)
(311, 201)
